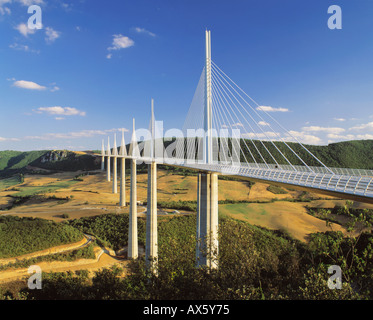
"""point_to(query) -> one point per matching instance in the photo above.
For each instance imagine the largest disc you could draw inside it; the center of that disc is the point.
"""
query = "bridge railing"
(339, 171)
(352, 184)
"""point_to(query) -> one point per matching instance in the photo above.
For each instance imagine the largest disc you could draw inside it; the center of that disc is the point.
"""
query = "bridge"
(225, 133)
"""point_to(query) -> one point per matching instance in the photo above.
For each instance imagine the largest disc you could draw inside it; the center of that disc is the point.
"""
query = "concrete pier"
(122, 153)
(133, 250)
(115, 174)
(207, 220)
(151, 248)
(115, 166)
(108, 169)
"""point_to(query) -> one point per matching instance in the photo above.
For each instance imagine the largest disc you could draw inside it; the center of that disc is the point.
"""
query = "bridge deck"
(350, 186)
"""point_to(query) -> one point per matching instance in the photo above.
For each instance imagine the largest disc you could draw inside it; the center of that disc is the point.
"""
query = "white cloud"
(121, 42)
(263, 123)
(142, 30)
(74, 135)
(66, 6)
(4, 10)
(366, 126)
(334, 130)
(21, 47)
(339, 119)
(28, 85)
(61, 111)
(271, 109)
(24, 29)
(51, 35)
(365, 136)
(304, 137)
(238, 124)
(269, 135)
(54, 89)
(340, 137)
(336, 137)
(8, 139)
(28, 3)
(109, 56)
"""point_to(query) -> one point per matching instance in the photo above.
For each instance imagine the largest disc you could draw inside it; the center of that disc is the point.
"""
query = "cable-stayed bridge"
(226, 132)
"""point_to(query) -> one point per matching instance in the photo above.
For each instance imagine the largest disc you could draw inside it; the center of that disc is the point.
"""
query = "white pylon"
(122, 149)
(122, 153)
(133, 250)
(115, 165)
(208, 103)
(103, 156)
(108, 160)
(151, 245)
(134, 148)
(207, 189)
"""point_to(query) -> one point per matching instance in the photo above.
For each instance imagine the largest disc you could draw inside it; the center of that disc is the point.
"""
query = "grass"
(241, 211)
(48, 188)
(8, 182)
(276, 190)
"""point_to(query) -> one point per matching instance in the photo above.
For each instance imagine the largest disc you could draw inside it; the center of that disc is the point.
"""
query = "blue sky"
(95, 65)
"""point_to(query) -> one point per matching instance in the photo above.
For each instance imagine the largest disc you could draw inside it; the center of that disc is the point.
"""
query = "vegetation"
(9, 182)
(254, 263)
(19, 236)
(357, 217)
(72, 255)
(347, 154)
(109, 229)
(14, 162)
(276, 189)
(20, 200)
(48, 188)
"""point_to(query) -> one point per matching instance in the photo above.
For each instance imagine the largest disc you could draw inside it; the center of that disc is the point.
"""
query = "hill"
(13, 162)
(347, 154)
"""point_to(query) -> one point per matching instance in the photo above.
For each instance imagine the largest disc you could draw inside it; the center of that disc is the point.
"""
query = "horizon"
(94, 67)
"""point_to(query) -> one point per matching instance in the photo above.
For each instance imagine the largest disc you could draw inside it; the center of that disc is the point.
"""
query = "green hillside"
(348, 154)
(13, 162)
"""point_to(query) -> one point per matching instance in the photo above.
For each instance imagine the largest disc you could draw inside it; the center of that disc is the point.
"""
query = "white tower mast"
(208, 102)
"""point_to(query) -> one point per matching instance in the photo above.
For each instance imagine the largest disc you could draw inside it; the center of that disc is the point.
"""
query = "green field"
(48, 188)
(8, 182)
